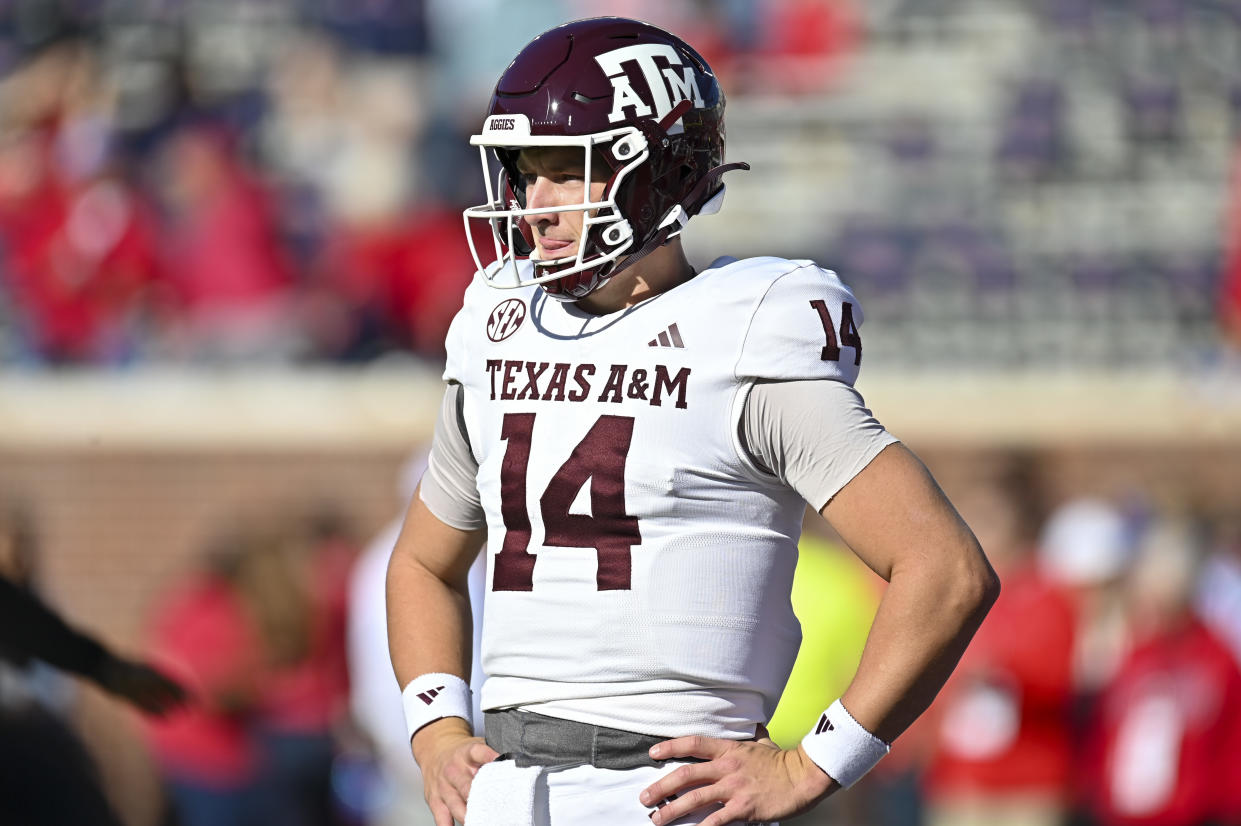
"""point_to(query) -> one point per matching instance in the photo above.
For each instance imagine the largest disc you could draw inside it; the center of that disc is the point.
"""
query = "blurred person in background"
(1086, 546)
(293, 582)
(260, 631)
(24, 680)
(30, 629)
(1168, 729)
(1218, 596)
(375, 697)
(80, 257)
(803, 46)
(1228, 303)
(46, 775)
(229, 273)
(339, 132)
(201, 631)
(1002, 748)
(401, 282)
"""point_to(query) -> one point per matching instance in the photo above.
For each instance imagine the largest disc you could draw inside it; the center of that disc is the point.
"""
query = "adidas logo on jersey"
(430, 694)
(668, 338)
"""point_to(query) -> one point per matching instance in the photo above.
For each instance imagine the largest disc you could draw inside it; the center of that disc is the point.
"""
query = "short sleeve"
(806, 326)
(814, 436)
(449, 487)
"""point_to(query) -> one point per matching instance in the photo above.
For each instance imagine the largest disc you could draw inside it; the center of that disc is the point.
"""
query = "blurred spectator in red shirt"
(228, 269)
(297, 588)
(795, 47)
(1229, 306)
(1166, 740)
(1086, 547)
(203, 634)
(405, 278)
(1002, 748)
(260, 636)
(79, 241)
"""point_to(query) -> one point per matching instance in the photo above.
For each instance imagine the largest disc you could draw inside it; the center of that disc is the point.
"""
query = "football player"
(636, 441)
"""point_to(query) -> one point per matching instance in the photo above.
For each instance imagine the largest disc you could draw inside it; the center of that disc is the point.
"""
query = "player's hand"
(754, 780)
(449, 756)
(140, 684)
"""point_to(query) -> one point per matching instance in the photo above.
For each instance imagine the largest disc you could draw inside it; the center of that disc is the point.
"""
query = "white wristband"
(433, 696)
(841, 747)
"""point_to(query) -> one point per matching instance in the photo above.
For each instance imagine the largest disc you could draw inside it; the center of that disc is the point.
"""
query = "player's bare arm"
(898, 521)
(429, 631)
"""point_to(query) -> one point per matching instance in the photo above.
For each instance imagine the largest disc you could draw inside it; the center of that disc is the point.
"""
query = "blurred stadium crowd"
(1003, 183)
(271, 181)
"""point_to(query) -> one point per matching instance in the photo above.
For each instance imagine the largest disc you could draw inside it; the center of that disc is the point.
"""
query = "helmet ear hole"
(617, 234)
(627, 147)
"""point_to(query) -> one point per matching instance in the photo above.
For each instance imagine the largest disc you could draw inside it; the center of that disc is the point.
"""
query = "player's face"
(555, 176)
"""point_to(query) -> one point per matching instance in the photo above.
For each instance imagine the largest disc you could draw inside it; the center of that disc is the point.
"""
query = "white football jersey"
(640, 564)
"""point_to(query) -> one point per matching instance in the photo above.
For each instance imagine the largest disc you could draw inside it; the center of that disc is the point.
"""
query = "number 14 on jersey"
(599, 459)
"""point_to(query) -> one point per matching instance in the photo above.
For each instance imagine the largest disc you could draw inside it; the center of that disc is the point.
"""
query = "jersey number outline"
(849, 336)
(599, 458)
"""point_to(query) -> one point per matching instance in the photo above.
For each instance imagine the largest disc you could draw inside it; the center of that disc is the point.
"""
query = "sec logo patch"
(505, 319)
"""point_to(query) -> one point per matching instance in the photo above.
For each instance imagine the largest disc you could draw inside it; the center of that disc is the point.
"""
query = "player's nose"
(541, 196)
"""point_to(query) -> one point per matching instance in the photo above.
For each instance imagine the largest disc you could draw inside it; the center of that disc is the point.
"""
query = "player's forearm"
(429, 621)
(928, 614)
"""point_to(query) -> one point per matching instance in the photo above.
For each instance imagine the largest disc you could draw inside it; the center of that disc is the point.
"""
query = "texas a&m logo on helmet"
(668, 85)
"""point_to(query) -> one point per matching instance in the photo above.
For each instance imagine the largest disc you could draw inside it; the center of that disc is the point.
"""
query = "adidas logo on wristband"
(431, 697)
(841, 747)
(430, 694)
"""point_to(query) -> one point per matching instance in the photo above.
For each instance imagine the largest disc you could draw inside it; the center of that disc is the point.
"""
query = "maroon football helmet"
(628, 93)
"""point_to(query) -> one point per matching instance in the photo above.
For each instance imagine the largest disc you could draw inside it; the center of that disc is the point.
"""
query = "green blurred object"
(834, 597)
